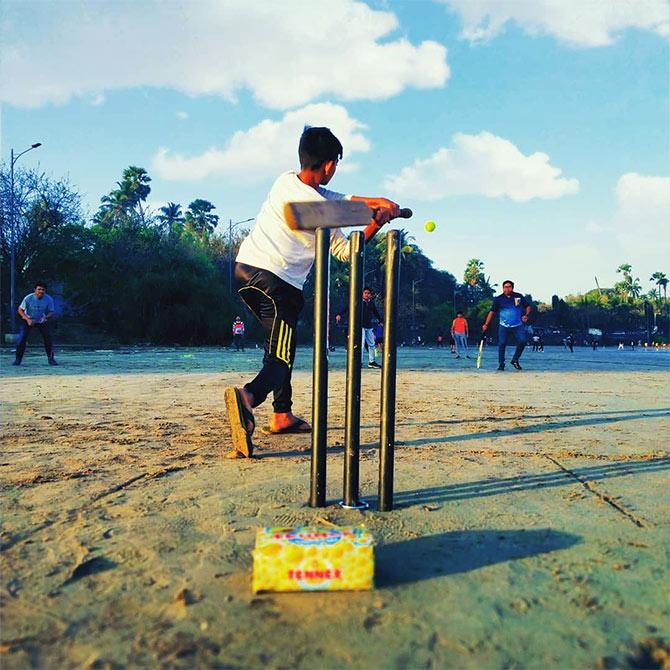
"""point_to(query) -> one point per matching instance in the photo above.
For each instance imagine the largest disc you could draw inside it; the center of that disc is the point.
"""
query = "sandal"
(297, 427)
(240, 418)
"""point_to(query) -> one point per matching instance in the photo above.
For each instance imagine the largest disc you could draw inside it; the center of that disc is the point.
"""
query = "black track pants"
(277, 306)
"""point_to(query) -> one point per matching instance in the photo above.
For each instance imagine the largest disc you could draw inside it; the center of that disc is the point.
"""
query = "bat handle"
(404, 213)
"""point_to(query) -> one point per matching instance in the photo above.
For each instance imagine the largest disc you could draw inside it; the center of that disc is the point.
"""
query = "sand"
(530, 528)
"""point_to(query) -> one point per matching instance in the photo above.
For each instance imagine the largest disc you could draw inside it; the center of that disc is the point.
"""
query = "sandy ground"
(531, 525)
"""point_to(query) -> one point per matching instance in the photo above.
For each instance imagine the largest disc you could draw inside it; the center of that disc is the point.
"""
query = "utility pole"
(414, 283)
(12, 228)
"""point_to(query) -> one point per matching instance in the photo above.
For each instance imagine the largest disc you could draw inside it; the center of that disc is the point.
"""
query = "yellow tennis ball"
(430, 226)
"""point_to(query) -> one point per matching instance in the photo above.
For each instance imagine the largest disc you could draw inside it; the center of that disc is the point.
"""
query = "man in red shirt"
(238, 333)
(460, 332)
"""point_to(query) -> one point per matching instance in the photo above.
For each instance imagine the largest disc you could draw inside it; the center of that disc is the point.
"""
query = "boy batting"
(271, 268)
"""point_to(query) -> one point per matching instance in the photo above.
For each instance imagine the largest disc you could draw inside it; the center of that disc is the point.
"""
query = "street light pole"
(232, 225)
(414, 283)
(12, 228)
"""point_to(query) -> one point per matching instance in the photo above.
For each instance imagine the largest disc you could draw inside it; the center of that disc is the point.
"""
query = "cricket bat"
(479, 354)
(330, 214)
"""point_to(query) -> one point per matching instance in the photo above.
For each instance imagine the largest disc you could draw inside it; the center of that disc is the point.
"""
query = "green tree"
(661, 281)
(625, 268)
(50, 236)
(474, 272)
(634, 287)
(476, 284)
(199, 218)
(629, 286)
(123, 206)
(171, 219)
(655, 298)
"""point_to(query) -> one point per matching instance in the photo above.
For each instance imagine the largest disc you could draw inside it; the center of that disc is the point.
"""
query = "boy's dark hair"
(42, 284)
(508, 281)
(367, 288)
(459, 313)
(317, 146)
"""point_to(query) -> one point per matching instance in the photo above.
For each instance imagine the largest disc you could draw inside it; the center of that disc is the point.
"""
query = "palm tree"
(661, 281)
(136, 181)
(628, 288)
(113, 209)
(654, 296)
(199, 219)
(474, 272)
(171, 218)
(477, 284)
(123, 205)
(623, 287)
(134, 187)
(634, 287)
(626, 268)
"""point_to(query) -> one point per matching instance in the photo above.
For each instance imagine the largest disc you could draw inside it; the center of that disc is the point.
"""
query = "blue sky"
(534, 132)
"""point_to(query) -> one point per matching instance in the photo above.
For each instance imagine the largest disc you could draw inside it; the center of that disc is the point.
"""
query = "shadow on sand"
(491, 487)
(604, 414)
(462, 551)
(539, 428)
(588, 419)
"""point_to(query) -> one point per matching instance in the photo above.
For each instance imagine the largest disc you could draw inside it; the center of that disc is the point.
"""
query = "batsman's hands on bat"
(382, 216)
(383, 204)
(384, 210)
(484, 328)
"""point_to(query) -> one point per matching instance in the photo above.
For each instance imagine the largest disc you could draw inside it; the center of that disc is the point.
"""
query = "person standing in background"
(369, 312)
(460, 333)
(238, 333)
(35, 311)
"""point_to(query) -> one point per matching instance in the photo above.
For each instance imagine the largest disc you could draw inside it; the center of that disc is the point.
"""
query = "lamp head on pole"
(37, 144)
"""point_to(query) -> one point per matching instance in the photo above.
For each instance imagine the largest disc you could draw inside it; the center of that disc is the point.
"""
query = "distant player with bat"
(271, 268)
(480, 352)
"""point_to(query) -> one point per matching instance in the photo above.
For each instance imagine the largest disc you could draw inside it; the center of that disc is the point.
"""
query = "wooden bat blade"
(326, 214)
(479, 355)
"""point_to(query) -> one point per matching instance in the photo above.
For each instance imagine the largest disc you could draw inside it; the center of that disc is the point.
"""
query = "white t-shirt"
(272, 245)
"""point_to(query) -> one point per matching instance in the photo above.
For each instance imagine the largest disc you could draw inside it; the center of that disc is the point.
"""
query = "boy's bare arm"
(378, 203)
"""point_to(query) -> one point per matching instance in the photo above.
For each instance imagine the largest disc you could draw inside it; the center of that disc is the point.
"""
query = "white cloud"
(182, 116)
(483, 164)
(584, 23)
(286, 53)
(265, 149)
(641, 221)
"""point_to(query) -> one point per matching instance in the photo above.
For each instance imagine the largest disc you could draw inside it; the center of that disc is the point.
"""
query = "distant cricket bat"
(479, 354)
(331, 214)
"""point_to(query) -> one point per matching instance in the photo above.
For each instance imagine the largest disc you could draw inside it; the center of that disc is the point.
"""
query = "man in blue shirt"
(35, 310)
(512, 310)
